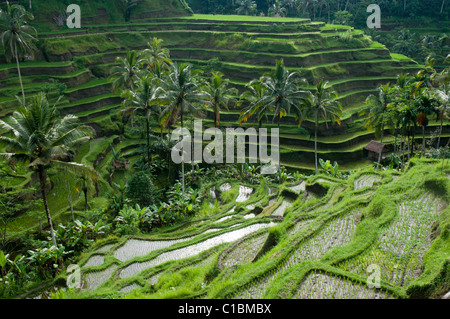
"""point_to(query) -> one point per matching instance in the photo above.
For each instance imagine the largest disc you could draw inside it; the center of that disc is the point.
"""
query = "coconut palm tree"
(16, 35)
(246, 7)
(127, 7)
(426, 105)
(277, 10)
(144, 99)
(407, 122)
(443, 96)
(218, 94)
(290, 6)
(42, 139)
(282, 92)
(127, 73)
(256, 91)
(378, 114)
(181, 90)
(320, 104)
(156, 56)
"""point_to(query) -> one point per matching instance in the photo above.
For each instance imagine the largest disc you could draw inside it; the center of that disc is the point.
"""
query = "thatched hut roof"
(375, 146)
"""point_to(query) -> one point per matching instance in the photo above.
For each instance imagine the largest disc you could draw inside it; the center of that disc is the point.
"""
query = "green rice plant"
(229, 195)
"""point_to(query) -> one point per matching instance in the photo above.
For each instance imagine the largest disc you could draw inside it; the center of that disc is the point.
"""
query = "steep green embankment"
(245, 48)
(104, 11)
(318, 238)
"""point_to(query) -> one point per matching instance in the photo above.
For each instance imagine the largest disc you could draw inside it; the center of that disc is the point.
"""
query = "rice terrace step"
(96, 201)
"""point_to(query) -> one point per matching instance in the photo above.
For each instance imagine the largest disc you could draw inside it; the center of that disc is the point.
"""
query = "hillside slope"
(313, 239)
(104, 11)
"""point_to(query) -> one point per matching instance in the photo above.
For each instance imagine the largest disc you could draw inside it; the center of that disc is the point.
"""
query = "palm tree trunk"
(192, 147)
(69, 194)
(346, 5)
(182, 162)
(381, 145)
(18, 72)
(409, 145)
(440, 130)
(85, 198)
(315, 144)
(42, 180)
(148, 138)
(423, 141)
(403, 147)
(442, 6)
(395, 141)
(215, 118)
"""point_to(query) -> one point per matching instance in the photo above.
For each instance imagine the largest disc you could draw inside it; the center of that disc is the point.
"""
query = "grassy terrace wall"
(105, 11)
(311, 239)
(245, 49)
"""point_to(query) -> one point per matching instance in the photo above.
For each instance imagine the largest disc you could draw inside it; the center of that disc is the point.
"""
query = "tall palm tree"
(427, 105)
(16, 35)
(127, 7)
(378, 115)
(181, 90)
(246, 7)
(156, 56)
(282, 91)
(41, 138)
(277, 10)
(84, 180)
(443, 96)
(407, 121)
(289, 4)
(144, 99)
(218, 94)
(321, 104)
(256, 91)
(126, 74)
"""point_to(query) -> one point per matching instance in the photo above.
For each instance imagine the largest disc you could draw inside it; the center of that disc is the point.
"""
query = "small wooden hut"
(373, 150)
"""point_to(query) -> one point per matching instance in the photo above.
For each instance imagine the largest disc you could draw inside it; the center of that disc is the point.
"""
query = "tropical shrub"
(333, 170)
(139, 189)
(126, 223)
(78, 235)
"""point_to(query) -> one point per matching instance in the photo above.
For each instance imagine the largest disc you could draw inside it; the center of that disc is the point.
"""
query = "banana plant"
(3, 262)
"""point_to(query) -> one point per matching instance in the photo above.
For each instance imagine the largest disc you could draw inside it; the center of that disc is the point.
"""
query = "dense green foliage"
(328, 10)
(333, 223)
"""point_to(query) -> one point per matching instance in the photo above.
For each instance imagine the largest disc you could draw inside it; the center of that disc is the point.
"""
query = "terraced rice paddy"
(136, 248)
(336, 232)
(244, 52)
(366, 180)
(244, 194)
(244, 251)
(95, 260)
(191, 250)
(298, 226)
(223, 219)
(400, 247)
(298, 188)
(130, 288)
(252, 206)
(225, 187)
(322, 286)
(92, 280)
(280, 211)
